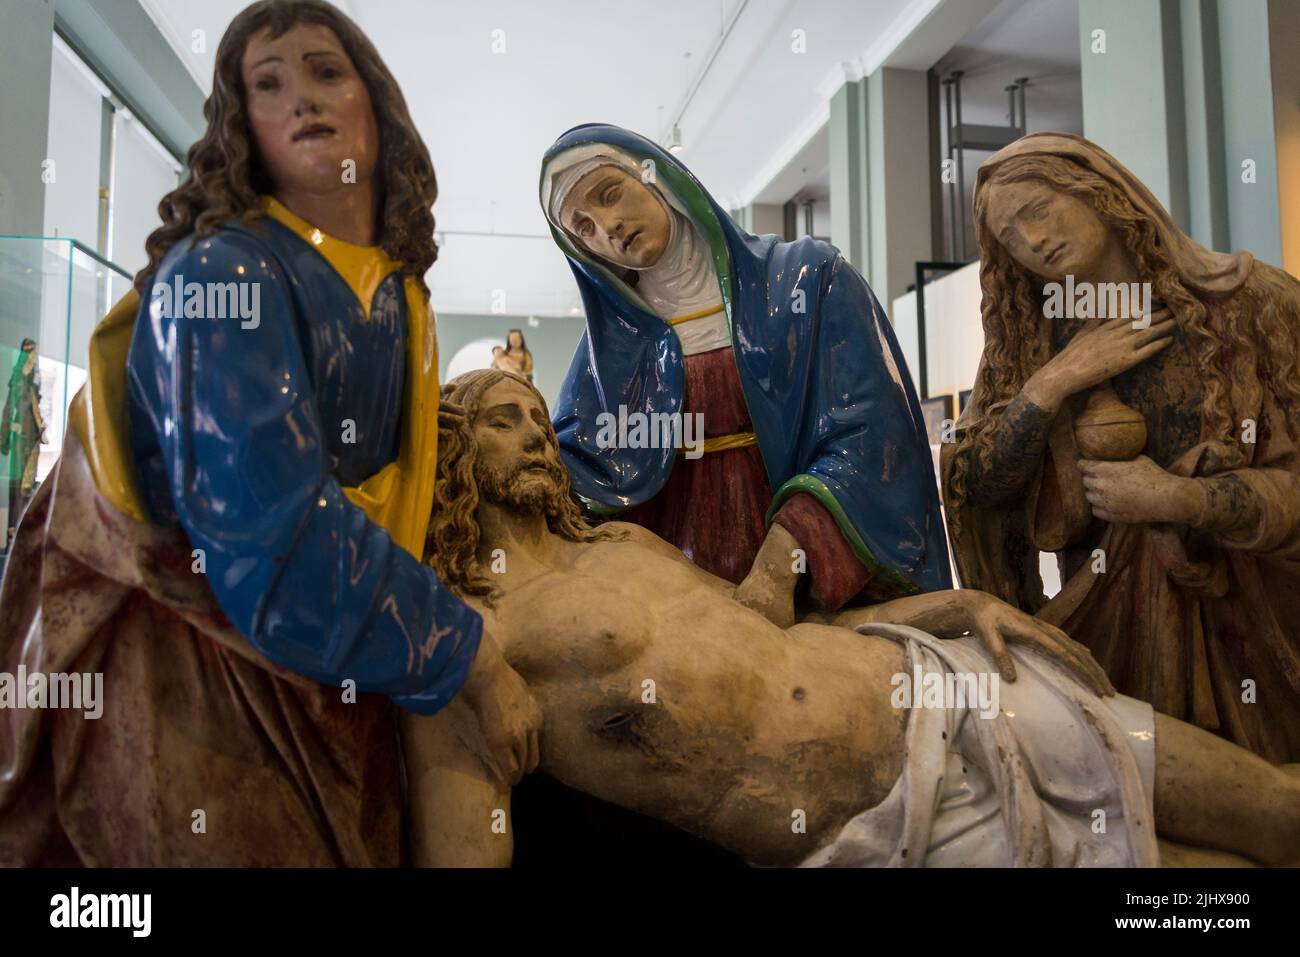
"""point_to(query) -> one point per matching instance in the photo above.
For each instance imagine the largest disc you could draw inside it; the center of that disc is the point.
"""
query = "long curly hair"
(226, 176)
(1248, 338)
(452, 545)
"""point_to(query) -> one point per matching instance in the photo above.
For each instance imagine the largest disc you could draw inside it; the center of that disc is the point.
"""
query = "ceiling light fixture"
(675, 144)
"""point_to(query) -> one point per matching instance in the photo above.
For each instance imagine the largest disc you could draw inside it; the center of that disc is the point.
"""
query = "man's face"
(614, 215)
(516, 466)
(308, 108)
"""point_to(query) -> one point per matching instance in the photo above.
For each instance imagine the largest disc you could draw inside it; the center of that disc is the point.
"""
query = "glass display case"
(52, 294)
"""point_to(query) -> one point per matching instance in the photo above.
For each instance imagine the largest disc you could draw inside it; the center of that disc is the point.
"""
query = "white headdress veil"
(683, 281)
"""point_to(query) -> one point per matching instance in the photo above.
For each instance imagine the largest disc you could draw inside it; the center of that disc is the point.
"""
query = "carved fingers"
(998, 623)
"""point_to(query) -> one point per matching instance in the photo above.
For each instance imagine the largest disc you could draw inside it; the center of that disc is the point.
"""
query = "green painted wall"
(1254, 218)
(1182, 96)
(880, 181)
(849, 174)
(1131, 100)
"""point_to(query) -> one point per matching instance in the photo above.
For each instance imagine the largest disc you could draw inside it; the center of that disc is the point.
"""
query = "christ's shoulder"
(640, 535)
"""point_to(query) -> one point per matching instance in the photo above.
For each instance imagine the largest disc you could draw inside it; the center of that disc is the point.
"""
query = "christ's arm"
(459, 812)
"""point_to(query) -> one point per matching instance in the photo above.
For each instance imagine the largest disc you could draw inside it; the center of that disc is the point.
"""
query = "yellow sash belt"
(724, 443)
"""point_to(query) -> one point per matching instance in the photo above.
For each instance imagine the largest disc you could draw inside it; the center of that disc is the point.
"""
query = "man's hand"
(769, 587)
(509, 718)
(1140, 492)
(450, 415)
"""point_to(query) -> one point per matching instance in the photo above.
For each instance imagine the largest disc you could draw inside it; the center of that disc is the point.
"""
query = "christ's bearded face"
(517, 465)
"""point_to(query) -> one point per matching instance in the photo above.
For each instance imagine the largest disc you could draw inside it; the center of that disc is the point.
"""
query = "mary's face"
(309, 110)
(1050, 233)
(615, 216)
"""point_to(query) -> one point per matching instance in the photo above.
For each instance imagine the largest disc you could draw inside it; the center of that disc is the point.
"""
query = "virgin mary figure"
(814, 456)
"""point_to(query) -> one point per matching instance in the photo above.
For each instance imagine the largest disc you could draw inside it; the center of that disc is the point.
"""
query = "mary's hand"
(769, 587)
(996, 624)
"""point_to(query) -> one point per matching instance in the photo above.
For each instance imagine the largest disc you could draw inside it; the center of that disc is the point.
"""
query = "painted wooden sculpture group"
(343, 610)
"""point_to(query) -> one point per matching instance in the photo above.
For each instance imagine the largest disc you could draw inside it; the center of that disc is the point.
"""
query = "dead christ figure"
(783, 745)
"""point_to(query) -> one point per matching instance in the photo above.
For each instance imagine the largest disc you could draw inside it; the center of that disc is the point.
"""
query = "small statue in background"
(22, 431)
(514, 357)
(1150, 442)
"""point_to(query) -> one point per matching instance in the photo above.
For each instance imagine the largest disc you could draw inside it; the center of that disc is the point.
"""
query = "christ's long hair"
(226, 177)
(452, 545)
(1248, 338)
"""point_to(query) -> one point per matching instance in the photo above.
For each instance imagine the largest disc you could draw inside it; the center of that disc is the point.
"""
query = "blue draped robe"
(823, 377)
(241, 434)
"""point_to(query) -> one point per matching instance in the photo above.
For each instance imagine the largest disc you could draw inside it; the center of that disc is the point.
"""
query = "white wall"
(76, 114)
(142, 175)
(954, 335)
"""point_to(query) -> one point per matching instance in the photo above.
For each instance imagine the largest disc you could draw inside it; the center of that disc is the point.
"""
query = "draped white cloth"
(1057, 778)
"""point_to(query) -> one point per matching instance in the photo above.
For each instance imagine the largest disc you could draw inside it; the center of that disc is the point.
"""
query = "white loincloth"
(1022, 788)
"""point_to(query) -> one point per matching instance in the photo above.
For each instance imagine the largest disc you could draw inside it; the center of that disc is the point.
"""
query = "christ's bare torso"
(663, 695)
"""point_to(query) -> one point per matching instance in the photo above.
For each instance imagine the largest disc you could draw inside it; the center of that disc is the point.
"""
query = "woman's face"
(309, 110)
(515, 339)
(1048, 232)
(615, 216)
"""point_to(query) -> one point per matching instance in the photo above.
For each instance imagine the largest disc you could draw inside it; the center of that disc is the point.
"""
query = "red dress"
(713, 507)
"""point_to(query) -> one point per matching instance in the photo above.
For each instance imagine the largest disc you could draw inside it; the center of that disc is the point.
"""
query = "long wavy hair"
(226, 176)
(453, 541)
(1248, 338)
